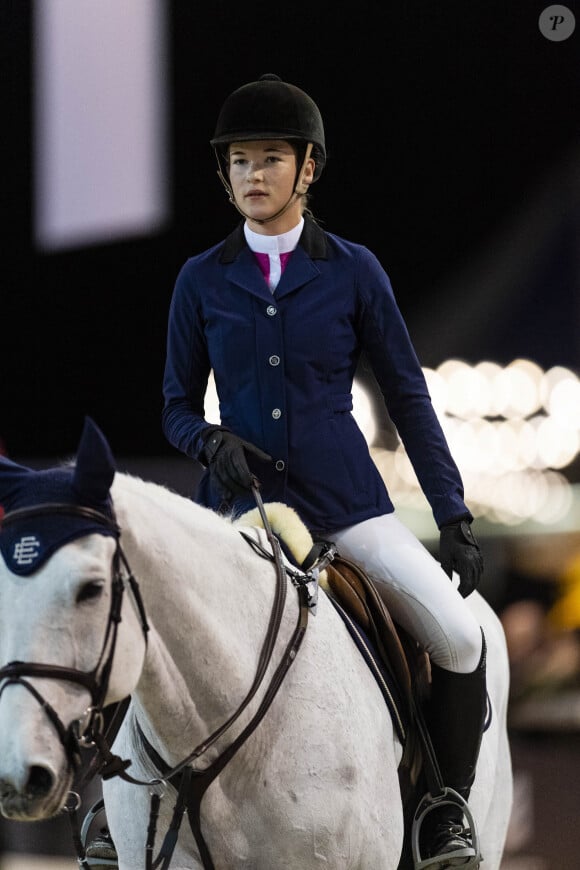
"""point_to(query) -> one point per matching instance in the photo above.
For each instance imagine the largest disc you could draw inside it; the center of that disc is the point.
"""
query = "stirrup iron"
(94, 861)
(448, 797)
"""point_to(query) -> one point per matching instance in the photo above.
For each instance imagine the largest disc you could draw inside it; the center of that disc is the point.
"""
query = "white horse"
(316, 784)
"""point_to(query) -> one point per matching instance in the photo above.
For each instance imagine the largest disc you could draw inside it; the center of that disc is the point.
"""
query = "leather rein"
(88, 731)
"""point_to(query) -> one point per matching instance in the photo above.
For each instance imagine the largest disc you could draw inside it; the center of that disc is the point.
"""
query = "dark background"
(452, 134)
(454, 142)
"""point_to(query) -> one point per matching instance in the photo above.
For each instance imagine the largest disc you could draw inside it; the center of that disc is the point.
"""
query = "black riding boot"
(455, 717)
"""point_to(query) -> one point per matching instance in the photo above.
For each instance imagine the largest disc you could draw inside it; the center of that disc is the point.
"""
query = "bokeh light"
(511, 430)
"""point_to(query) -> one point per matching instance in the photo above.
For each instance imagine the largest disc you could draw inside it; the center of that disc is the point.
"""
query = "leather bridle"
(190, 784)
(96, 681)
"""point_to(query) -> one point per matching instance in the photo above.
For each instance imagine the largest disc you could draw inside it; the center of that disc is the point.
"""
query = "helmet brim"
(256, 136)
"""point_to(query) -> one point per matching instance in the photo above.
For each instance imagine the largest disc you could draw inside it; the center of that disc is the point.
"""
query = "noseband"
(96, 681)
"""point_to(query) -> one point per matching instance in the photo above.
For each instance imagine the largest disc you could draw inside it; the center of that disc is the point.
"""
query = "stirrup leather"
(472, 854)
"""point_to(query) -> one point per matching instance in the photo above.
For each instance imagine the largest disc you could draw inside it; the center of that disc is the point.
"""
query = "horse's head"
(68, 642)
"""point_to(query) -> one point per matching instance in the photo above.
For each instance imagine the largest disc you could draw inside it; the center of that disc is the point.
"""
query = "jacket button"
(280, 465)
(274, 360)
(271, 310)
(276, 413)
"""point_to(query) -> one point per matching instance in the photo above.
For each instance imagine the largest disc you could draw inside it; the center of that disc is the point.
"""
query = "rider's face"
(262, 176)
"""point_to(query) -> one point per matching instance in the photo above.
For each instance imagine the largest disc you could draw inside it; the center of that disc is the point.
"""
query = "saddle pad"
(389, 689)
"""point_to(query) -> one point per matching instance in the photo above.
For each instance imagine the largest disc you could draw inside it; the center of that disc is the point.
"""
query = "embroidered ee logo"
(26, 550)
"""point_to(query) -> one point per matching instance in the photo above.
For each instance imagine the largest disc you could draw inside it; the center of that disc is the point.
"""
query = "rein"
(191, 785)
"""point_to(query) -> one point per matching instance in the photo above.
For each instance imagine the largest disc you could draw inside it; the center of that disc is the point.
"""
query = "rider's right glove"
(225, 455)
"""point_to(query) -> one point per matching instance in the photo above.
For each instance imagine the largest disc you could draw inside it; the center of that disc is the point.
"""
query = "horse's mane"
(130, 484)
(134, 497)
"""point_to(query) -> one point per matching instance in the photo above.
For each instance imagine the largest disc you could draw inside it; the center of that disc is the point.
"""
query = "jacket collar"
(241, 267)
(313, 241)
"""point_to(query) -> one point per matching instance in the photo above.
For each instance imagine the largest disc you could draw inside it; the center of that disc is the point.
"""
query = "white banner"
(100, 98)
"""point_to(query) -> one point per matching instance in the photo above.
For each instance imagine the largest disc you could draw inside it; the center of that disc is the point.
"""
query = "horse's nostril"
(40, 781)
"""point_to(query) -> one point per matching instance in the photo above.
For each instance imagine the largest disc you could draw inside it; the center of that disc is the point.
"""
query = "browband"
(61, 508)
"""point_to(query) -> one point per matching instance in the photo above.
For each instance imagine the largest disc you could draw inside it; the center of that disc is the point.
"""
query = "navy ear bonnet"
(27, 542)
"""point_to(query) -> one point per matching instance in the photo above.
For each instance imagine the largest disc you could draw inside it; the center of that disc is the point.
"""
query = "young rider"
(281, 311)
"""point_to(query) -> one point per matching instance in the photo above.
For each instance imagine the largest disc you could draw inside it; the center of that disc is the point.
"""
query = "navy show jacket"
(284, 367)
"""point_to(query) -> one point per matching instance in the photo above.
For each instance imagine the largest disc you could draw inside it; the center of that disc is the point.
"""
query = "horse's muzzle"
(42, 796)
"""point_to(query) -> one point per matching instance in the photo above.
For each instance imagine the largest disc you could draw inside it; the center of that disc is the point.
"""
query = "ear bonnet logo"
(26, 550)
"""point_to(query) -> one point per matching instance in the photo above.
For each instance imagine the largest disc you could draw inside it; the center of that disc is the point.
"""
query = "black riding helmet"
(270, 109)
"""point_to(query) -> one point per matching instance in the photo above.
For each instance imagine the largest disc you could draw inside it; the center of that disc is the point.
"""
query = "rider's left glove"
(459, 551)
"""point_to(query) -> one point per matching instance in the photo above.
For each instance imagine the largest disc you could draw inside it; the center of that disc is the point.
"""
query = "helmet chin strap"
(300, 190)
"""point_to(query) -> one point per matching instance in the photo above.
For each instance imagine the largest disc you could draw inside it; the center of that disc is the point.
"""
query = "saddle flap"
(361, 598)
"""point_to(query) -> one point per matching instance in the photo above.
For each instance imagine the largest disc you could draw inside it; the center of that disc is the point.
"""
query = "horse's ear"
(12, 476)
(95, 466)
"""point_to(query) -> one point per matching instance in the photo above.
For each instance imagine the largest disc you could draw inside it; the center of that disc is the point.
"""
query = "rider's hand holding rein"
(459, 551)
(225, 455)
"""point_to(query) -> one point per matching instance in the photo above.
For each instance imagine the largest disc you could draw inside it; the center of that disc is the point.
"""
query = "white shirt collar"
(282, 244)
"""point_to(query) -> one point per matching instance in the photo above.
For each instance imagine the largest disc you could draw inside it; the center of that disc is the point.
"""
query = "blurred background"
(453, 137)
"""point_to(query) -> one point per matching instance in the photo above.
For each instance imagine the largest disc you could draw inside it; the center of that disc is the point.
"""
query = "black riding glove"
(459, 551)
(225, 455)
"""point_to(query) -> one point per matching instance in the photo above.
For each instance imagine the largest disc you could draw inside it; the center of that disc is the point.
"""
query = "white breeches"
(421, 597)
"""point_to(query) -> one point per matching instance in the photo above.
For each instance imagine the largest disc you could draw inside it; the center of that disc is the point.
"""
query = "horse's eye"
(92, 589)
